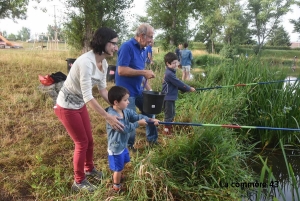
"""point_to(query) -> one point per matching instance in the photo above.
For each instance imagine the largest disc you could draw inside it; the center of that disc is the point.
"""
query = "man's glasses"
(150, 37)
(114, 43)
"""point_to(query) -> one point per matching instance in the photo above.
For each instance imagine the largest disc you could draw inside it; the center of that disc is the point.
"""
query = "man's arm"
(129, 72)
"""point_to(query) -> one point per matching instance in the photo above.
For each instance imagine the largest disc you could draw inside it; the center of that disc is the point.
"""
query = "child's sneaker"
(168, 130)
(85, 185)
(94, 174)
(117, 189)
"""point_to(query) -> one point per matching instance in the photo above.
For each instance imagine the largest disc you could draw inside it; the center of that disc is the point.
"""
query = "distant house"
(295, 45)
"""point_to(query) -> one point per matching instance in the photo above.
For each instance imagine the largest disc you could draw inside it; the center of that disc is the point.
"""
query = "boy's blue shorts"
(117, 162)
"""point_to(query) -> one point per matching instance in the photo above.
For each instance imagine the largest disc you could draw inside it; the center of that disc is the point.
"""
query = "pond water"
(277, 163)
(290, 83)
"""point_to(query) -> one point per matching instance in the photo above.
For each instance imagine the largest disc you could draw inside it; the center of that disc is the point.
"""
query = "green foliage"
(51, 31)
(14, 9)
(279, 37)
(296, 24)
(188, 166)
(172, 17)
(235, 24)
(197, 46)
(24, 34)
(197, 163)
(272, 48)
(74, 31)
(217, 47)
(229, 51)
(266, 103)
(12, 37)
(267, 177)
(211, 25)
(207, 60)
(265, 15)
(270, 53)
(90, 15)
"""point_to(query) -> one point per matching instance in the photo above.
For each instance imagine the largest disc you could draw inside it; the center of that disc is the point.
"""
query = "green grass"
(36, 152)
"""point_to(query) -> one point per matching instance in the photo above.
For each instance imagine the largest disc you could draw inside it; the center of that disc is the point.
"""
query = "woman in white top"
(87, 71)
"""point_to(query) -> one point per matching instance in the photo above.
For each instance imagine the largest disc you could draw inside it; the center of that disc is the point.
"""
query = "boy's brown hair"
(170, 57)
(116, 93)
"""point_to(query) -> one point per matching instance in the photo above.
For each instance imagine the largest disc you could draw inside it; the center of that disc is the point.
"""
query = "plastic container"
(70, 62)
(153, 102)
(110, 76)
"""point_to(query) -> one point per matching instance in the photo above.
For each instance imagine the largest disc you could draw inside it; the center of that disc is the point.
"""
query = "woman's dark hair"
(185, 45)
(101, 37)
(116, 93)
(170, 57)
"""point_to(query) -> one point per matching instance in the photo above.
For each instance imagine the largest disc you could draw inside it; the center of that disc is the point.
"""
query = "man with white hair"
(130, 72)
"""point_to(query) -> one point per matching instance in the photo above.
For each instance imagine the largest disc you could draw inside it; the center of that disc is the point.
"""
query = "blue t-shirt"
(130, 55)
(147, 51)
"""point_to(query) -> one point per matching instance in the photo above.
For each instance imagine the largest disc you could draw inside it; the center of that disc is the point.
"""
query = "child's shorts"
(117, 162)
(186, 68)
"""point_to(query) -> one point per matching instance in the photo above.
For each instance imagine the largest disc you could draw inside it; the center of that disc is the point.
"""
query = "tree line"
(230, 22)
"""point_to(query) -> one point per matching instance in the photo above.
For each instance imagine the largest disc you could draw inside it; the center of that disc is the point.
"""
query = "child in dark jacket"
(170, 86)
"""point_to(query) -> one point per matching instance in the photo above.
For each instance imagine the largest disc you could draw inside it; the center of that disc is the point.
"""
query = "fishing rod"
(227, 126)
(242, 85)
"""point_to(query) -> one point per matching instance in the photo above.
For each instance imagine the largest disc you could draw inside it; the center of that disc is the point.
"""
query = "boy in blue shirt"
(118, 154)
(170, 86)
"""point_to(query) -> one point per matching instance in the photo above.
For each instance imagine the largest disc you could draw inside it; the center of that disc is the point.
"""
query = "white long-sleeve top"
(83, 75)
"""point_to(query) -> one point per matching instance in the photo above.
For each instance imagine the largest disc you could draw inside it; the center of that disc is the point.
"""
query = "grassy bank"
(36, 152)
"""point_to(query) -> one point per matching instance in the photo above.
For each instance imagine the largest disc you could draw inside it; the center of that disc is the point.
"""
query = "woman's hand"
(114, 122)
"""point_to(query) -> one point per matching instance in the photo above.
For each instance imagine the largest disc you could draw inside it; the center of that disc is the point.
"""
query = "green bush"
(229, 51)
(207, 60)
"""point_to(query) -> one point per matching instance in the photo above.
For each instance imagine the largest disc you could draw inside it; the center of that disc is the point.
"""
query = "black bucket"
(70, 62)
(110, 76)
(153, 102)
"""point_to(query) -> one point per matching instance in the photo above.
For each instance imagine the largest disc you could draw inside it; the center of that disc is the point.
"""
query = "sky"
(38, 21)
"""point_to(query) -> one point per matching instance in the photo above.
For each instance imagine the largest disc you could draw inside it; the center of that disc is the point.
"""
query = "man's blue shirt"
(130, 55)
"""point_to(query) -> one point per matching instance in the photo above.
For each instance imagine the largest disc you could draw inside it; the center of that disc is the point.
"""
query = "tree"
(235, 23)
(13, 9)
(212, 21)
(296, 23)
(279, 37)
(265, 17)
(85, 16)
(51, 32)
(172, 17)
(24, 34)
(12, 37)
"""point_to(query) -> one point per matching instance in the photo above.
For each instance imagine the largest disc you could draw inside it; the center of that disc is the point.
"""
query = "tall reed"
(264, 104)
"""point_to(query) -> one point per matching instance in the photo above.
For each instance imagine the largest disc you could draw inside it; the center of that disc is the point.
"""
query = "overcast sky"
(38, 21)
